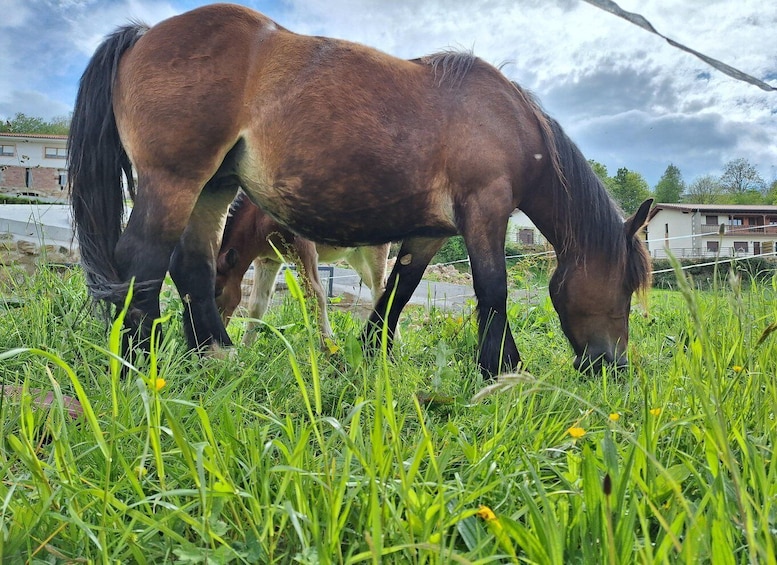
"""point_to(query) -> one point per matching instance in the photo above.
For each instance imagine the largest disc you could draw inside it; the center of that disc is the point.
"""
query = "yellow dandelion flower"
(655, 411)
(576, 432)
(738, 368)
(159, 383)
(495, 526)
(615, 416)
(331, 346)
(485, 513)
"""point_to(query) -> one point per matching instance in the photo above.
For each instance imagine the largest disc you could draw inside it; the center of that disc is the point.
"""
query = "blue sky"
(625, 96)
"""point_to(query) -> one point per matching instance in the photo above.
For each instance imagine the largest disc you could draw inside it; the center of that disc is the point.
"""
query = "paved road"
(350, 294)
(429, 293)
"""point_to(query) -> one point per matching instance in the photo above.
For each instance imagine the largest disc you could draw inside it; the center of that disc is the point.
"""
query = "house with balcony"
(711, 230)
(33, 165)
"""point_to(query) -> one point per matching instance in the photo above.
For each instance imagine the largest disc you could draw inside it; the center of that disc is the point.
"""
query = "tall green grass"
(285, 453)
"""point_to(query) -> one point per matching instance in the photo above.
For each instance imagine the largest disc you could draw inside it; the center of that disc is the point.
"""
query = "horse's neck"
(544, 211)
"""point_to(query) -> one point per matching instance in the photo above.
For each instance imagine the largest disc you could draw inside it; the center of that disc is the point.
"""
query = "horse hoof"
(215, 351)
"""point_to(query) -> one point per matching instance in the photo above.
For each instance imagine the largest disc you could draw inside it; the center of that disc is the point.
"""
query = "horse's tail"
(98, 164)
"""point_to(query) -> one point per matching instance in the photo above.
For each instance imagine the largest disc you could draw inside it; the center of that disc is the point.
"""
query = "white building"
(711, 230)
(521, 230)
(33, 165)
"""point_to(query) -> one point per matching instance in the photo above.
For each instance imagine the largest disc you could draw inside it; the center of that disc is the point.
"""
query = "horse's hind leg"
(143, 252)
(193, 267)
(370, 264)
(413, 257)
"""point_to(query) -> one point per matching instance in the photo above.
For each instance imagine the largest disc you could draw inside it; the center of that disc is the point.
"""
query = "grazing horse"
(344, 145)
(252, 235)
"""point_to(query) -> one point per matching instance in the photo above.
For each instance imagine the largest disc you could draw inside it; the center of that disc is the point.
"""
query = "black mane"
(235, 209)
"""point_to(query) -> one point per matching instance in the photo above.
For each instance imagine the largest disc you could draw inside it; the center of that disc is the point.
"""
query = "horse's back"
(317, 120)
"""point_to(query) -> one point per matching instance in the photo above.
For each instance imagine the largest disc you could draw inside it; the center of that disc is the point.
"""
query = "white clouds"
(89, 25)
(31, 103)
(633, 99)
(626, 96)
(15, 13)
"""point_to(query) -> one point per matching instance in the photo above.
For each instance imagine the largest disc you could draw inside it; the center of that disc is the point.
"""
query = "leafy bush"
(452, 250)
(703, 274)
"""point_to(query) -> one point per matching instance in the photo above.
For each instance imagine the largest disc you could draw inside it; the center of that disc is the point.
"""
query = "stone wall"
(21, 258)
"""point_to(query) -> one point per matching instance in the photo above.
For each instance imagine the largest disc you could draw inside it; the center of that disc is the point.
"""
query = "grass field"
(286, 453)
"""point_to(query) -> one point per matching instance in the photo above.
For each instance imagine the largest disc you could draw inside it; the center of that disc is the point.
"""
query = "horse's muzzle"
(593, 362)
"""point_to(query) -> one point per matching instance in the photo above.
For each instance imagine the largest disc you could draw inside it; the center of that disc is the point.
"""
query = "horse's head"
(228, 280)
(593, 298)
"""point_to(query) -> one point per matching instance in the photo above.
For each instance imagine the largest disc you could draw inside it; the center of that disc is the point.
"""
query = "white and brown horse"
(251, 235)
(344, 145)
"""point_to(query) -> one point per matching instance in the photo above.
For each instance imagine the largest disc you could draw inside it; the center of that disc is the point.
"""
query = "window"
(710, 220)
(526, 236)
(7, 150)
(55, 153)
(713, 247)
(28, 178)
(740, 246)
(62, 178)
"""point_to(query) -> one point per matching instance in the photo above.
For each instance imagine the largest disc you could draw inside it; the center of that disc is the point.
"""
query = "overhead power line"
(638, 20)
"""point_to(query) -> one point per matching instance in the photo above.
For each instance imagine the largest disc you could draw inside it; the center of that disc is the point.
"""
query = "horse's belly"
(353, 216)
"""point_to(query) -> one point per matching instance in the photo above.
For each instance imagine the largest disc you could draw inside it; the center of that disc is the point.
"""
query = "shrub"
(702, 273)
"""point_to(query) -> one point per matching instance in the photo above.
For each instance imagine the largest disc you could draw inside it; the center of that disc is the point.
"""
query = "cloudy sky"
(625, 96)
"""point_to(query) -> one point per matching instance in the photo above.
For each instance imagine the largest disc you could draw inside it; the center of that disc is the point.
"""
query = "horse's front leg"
(308, 265)
(193, 268)
(265, 275)
(484, 236)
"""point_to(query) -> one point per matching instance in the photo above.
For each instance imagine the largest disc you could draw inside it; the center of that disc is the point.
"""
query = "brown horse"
(252, 235)
(344, 145)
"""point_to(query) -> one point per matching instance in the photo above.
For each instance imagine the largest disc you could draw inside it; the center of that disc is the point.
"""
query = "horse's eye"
(219, 291)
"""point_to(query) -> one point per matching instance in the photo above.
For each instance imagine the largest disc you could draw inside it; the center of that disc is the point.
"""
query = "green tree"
(600, 170)
(670, 186)
(629, 189)
(22, 123)
(771, 194)
(740, 176)
(705, 190)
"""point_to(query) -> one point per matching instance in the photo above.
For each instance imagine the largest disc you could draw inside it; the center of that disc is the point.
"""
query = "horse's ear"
(636, 222)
